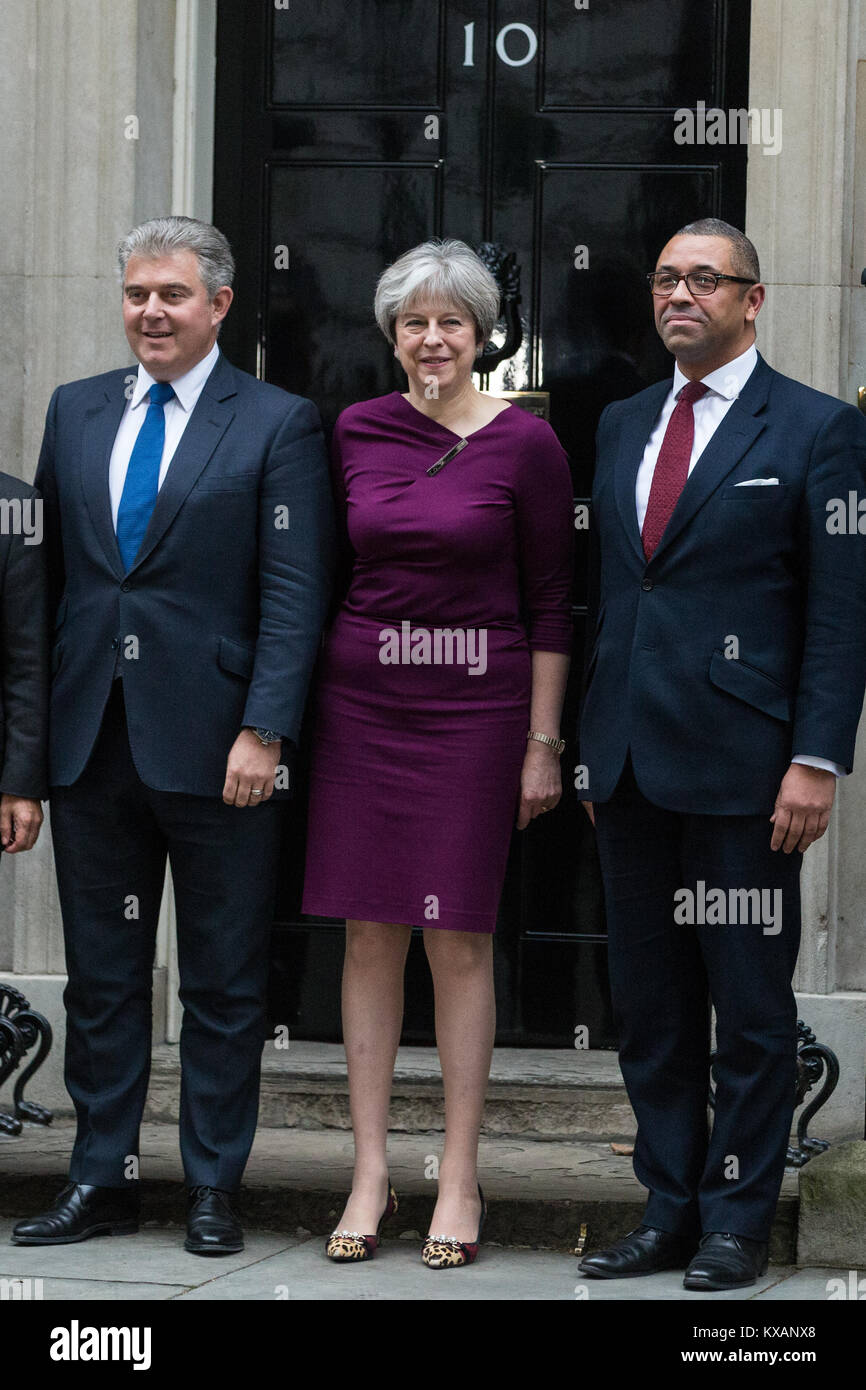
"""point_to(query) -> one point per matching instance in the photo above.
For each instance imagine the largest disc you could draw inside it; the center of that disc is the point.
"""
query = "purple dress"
(422, 701)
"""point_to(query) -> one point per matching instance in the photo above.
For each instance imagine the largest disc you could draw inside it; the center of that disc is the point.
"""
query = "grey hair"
(744, 257)
(438, 270)
(163, 235)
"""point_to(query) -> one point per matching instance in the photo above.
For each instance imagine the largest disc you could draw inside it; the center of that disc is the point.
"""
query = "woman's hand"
(540, 783)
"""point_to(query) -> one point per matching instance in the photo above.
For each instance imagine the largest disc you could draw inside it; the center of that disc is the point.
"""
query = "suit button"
(646, 585)
(114, 644)
(125, 588)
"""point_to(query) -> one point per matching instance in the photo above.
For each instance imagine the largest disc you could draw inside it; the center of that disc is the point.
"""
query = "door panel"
(317, 330)
(346, 134)
(632, 55)
(370, 53)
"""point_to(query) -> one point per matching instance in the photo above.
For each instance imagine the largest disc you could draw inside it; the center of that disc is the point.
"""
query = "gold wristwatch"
(557, 744)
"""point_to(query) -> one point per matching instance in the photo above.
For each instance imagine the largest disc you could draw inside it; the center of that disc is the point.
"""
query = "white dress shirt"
(187, 390)
(725, 385)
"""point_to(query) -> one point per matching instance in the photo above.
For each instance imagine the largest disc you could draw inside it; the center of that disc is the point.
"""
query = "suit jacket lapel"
(100, 428)
(737, 432)
(209, 420)
(635, 433)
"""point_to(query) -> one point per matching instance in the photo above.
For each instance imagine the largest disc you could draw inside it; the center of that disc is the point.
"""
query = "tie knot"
(161, 393)
(692, 391)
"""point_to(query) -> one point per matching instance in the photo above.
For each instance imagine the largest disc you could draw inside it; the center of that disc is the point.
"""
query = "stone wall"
(88, 108)
(805, 213)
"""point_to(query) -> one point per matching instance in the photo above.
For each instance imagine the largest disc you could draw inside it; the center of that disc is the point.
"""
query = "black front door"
(346, 134)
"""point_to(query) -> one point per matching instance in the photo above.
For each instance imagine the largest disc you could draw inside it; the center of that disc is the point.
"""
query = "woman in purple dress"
(438, 712)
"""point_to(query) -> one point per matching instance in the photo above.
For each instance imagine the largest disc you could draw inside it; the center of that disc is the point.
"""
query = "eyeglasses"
(698, 282)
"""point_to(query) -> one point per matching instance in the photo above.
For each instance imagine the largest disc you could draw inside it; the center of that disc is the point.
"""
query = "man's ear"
(221, 302)
(755, 295)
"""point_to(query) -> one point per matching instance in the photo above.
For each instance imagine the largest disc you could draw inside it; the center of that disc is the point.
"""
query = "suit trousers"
(687, 928)
(111, 837)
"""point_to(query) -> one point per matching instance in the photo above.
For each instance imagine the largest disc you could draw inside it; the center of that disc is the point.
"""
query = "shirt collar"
(727, 381)
(187, 388)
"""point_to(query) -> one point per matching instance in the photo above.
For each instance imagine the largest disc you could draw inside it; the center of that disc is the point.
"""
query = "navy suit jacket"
(743, 640)
(217, 623)
(23, 645)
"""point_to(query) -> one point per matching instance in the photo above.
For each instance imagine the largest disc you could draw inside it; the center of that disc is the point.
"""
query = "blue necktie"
(142, 476)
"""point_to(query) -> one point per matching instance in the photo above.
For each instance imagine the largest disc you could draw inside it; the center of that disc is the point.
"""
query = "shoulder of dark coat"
(11, 486)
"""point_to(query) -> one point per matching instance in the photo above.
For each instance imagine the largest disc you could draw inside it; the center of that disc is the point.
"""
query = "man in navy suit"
(24, 676)
(190, 534)
(726, 664)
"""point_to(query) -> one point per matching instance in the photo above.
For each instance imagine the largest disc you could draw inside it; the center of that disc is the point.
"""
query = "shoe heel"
(123, 1228)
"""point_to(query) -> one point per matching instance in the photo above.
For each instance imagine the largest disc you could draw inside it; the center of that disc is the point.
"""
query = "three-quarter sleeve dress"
(422, 701)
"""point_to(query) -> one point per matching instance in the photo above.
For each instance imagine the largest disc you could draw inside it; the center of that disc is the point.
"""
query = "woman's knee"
(376, 943)
(458, 951)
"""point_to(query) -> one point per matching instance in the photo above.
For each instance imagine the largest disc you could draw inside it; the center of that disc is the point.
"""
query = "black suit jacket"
(23, 642)
(743, 640)
(217, 623)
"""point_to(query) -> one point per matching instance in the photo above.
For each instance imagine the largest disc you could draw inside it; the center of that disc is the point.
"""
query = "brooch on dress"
(446, 458)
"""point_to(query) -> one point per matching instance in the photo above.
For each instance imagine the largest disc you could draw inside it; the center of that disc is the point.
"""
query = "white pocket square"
(758, 482)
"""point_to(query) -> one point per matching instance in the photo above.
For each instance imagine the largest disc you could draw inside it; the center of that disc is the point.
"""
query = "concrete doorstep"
(533, 1093)
(542, 1195)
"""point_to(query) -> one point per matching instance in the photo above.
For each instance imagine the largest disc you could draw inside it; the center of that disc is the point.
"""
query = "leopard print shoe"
(447, 1252)
(351, 1246)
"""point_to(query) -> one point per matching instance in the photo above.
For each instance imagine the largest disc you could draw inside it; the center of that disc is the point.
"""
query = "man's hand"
(803, 807)
(250, 765)
(20, 821)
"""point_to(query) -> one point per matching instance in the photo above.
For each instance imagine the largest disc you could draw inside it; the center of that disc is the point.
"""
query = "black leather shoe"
(724, 1261)
(643, 1251)
(79, 1212)
(211, 1226)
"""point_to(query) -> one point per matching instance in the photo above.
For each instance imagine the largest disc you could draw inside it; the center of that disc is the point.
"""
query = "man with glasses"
(725, 672)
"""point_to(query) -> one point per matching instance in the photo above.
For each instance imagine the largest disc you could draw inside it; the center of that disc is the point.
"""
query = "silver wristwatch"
(266, 736)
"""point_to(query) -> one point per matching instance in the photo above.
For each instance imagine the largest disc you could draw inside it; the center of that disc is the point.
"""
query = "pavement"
(153, 1266)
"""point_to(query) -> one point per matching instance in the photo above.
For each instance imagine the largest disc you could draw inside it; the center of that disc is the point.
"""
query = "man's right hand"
(250, 764)
(20, 822)
(803, 807)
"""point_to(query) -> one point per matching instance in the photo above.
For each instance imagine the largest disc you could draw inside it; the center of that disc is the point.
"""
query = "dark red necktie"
(672, 467)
